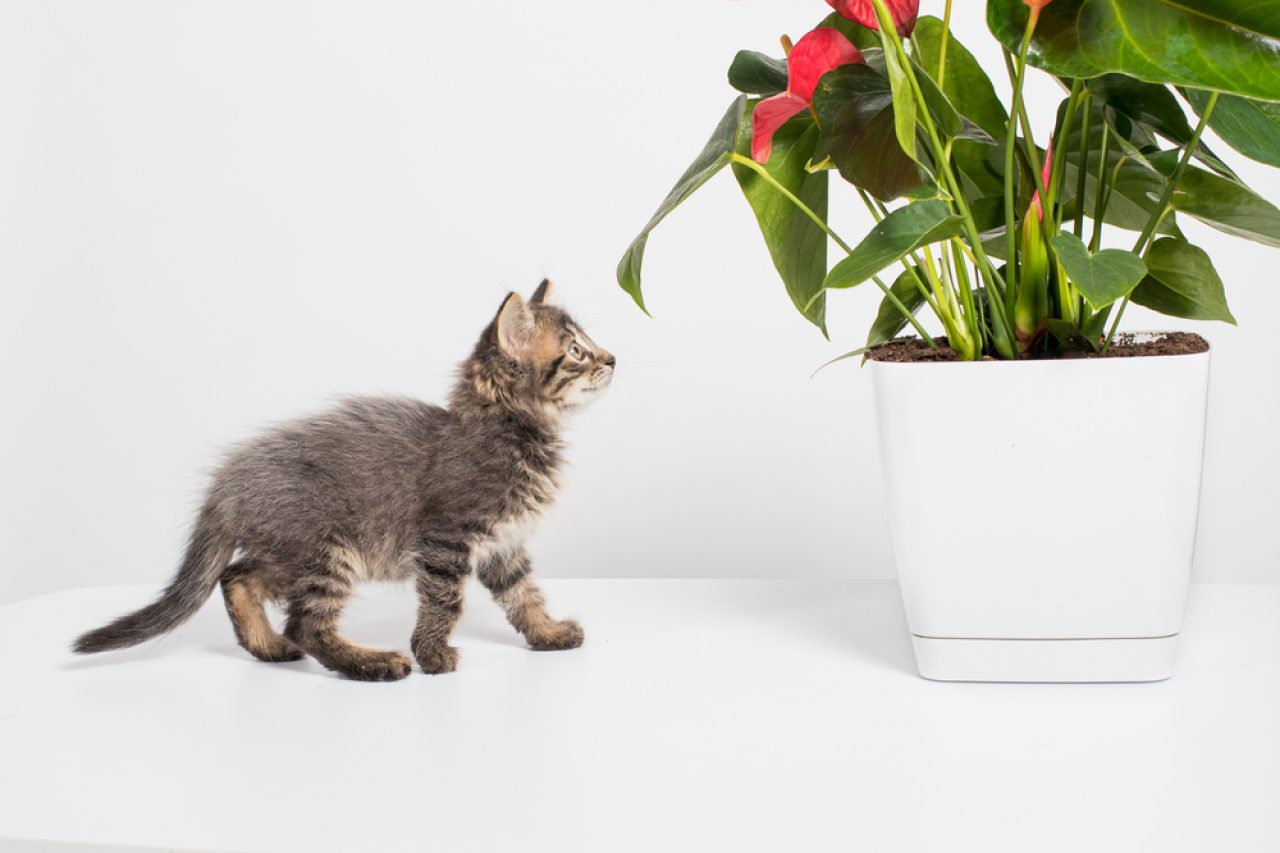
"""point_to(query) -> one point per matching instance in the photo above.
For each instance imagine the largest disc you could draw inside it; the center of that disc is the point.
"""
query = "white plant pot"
(1044, 512)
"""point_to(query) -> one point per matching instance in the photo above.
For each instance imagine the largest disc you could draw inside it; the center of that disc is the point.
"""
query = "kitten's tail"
(208, 554)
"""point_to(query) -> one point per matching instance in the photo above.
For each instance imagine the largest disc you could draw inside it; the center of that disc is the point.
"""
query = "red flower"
(904, 12)
(820, 51)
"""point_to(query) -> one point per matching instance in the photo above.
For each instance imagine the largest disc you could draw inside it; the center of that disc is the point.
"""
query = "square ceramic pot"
(1044, 512)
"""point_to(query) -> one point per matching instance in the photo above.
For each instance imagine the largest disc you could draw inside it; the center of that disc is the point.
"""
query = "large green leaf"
(713, 158)
(963, 80)
(855, 105)
(1182, 282)
(1227, 45)
(757, 74)
(1101, 278)
(890, 319)
(897, 235)
(1250, 127)
(796, 243)
(1221, 203)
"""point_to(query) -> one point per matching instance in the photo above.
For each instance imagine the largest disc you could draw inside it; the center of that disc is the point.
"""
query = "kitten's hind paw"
(557, 636)
(438, 661)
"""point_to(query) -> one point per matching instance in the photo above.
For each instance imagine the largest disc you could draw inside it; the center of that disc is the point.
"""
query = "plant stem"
(1102, 192)
(1162, 208)
(942, 44)
(1153, 222)
(1082, 167)
(1049, 202)
(1010, 141)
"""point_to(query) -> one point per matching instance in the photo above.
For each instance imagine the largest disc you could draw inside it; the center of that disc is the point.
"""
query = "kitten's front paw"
(437, 661)
(378, 666)
(557, 636)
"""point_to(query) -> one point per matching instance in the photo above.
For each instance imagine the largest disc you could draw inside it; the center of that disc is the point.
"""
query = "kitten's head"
(534, 357)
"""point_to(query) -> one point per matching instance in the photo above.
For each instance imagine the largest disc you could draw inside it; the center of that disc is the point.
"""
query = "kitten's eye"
(576, 352)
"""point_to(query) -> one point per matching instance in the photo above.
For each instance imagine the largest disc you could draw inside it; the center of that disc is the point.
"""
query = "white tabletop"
(700, 715)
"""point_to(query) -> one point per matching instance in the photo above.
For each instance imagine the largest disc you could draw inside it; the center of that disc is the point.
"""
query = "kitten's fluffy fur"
(392, 489)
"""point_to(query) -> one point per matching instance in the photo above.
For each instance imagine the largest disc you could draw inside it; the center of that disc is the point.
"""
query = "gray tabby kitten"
(392, 489)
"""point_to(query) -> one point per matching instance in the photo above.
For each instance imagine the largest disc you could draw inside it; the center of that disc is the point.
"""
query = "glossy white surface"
(700, 716)
(1058, 500)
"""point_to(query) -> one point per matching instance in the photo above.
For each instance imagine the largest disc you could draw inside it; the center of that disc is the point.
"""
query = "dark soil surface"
(1124, 346)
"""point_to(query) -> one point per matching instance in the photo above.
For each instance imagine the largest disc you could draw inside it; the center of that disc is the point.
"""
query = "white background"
(214, 215)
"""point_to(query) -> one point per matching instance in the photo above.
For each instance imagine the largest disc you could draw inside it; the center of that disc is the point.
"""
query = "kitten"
(392, 489)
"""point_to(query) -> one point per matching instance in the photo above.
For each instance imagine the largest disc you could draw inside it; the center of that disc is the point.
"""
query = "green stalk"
(1162, 208)
(1153, 222)
(942, 44)
(1029, 149)
(1082, 168)
(1049, 202)
(1010, 142)
(972, 317)
(1066, 292)
(1102, 193)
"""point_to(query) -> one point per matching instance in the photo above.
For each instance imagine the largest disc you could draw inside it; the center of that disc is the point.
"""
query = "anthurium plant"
(999, 235)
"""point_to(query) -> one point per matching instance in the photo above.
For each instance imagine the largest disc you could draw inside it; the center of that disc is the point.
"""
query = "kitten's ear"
(542, 296)
(515, 326)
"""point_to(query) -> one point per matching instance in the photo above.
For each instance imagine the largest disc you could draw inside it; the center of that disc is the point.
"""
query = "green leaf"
(889, 319)
(757, 74)
(981, 169)
(904, 101)
(964, 82)
(1250, 127)
(850, 354)
(897, 235)
(1225, 45)
(855, 105)
(1101, 278)
(1224, 204)
(1182, 282)
(715, 154)
(796, 243)
(1153, 107)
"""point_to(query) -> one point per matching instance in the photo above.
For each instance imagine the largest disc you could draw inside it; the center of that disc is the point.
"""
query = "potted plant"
(997, 433)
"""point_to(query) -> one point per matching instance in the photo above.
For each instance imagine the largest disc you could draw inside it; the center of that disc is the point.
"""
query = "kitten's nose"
(610, 360)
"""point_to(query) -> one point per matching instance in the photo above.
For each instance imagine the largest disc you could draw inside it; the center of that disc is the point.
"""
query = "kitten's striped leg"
(441, 580)
(510, 580)
(244, 591)
(315, 606)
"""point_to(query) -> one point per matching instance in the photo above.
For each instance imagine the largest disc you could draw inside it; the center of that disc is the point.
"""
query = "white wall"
(218, 214)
